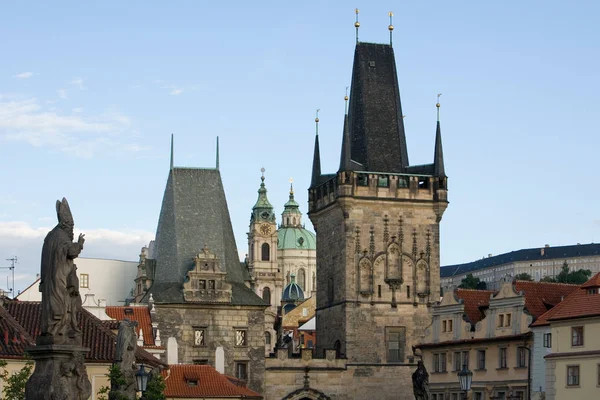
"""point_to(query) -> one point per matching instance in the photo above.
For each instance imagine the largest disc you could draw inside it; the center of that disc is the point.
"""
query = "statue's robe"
(59, 310)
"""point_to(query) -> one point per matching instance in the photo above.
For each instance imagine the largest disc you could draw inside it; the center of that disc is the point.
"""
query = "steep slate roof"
(377, 134)
(141, 314)
(96, 336)
(194, 214)
(474, 300)
(200, 381)
(579, 304)
(535, 254)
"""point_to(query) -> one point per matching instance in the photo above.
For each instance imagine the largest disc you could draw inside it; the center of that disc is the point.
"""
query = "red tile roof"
(197, 381)
(541, 296)
(141, 314)
(578, 304)
(96, 336)
(473, 301)
(13, 338)
(594, 282)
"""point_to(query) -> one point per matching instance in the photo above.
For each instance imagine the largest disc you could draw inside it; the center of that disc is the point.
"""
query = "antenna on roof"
(391, 27)
(217, 162)
(356, 24)
(171, 151)
(317, 122)
(346, 101)
(438, 106)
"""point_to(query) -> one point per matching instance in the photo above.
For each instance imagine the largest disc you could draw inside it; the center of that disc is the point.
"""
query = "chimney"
(542, 251)
(489, 255)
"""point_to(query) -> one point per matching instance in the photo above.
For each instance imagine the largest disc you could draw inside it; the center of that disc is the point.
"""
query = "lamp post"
(141, 380)
(465, 377)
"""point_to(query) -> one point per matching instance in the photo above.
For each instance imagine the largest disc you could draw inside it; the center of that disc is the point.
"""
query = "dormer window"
(592, 291)
(192, 382)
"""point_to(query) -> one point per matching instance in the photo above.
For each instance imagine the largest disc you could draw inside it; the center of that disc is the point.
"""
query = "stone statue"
(125, 360)
(420, 380)
(60, 372)
(61, 302)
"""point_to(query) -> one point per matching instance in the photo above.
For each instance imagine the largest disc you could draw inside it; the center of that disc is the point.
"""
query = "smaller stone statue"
(125, 360)
(420, 380)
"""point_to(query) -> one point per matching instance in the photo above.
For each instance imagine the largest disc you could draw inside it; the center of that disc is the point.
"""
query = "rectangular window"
(202, 284)
(502, 358)
(547, 340)
(444, 327)
(577, 336)
(480, 359)
(396, 340)
(457, 361)
(478, 396)
(383, 181)
(572, 375)
(199, 337)
(84, 281)
(241, 370)
(241, 337)
(200, 362)
(500, 320)
(408, 291)
(439, 362)
(507, 319)
(449, 325)
(598, 375)
(211, 284)
(521, 357)
(378, 290)
(465, 360)
(520, 395)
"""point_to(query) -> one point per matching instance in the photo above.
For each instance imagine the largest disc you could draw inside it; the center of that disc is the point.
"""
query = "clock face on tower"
(265, 229)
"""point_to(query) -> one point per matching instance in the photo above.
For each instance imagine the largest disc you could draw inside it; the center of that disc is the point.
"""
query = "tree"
(471, 282)
(578, 277)
(14, 384)
(524, 276)
(156, 387)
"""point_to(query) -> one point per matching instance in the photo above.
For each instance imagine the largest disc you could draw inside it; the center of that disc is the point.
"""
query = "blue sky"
(90, 93)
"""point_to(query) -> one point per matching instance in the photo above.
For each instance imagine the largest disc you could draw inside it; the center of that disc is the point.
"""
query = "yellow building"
(488, 332)
(573, 366)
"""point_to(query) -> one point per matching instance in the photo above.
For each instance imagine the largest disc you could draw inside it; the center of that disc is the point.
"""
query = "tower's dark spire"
(316, 169)
(377, 136)
(171, 152)
(217, 158)
(438, 157)
(345, 164)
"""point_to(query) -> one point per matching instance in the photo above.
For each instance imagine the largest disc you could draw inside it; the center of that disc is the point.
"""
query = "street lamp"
(465, 377)
(141, 380)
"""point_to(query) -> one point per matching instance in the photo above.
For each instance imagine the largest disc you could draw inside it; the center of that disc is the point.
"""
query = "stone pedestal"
(59, 374)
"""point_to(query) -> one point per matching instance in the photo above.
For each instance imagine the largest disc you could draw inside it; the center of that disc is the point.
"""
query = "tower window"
(265, 252)
(266, 295)
(302, 278)
(267, 338)
(395, 342)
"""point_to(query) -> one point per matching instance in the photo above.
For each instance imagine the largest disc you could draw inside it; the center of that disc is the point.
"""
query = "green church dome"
(296, 238)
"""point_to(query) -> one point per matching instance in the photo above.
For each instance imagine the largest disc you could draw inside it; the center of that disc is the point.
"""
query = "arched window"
(267, 338)
(294, 219)
(266, 295)
(265, 252)
(302, 278)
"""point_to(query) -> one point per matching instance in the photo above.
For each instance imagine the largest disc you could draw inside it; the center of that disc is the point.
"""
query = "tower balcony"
(378, 185)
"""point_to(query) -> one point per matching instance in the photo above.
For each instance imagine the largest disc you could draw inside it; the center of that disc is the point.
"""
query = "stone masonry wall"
(220, 323)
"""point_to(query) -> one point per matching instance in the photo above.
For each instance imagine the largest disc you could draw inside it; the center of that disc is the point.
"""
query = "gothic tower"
(377, 223)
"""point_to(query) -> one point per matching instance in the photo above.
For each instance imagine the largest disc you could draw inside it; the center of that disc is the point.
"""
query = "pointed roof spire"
(346, 150)
(356, 24)
(438, 157)
(316, 169)
(262, 203)
(171, 152)
(391, 26)
(217, 161)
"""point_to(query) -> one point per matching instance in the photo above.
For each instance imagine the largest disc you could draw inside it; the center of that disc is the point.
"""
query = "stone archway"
(306, 394)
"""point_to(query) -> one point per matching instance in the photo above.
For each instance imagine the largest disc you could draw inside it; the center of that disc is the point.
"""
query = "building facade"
(541, 262)
(200, 292)
(573, 364)
(278, 252)
(488, 332)
(377, 223)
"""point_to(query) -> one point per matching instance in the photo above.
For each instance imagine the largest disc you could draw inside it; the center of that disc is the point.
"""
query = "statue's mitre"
(63, 211)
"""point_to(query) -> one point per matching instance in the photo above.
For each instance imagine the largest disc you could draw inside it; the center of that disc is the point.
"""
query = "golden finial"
(391, 26)
(438, 106)
(356, 24)
(317, 122)
(262, 174)
(291, 185)
(346, 100)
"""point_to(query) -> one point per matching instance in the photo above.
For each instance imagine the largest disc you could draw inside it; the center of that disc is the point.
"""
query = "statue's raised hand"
(81, 239)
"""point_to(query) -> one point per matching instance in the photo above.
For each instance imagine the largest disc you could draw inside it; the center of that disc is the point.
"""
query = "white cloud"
(25, 241)
(78, 82)
(77, 109)
(176, 92)
(27, 121)
(62, 93)
(24, 75)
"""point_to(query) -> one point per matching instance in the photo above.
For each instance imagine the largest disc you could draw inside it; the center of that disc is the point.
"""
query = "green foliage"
(116, 379)
(156, 387)
(524, 276)
(471, 282)
(566, 276)
(14, 384)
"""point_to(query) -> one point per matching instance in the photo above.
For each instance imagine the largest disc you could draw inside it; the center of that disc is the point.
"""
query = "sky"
(91, 92)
